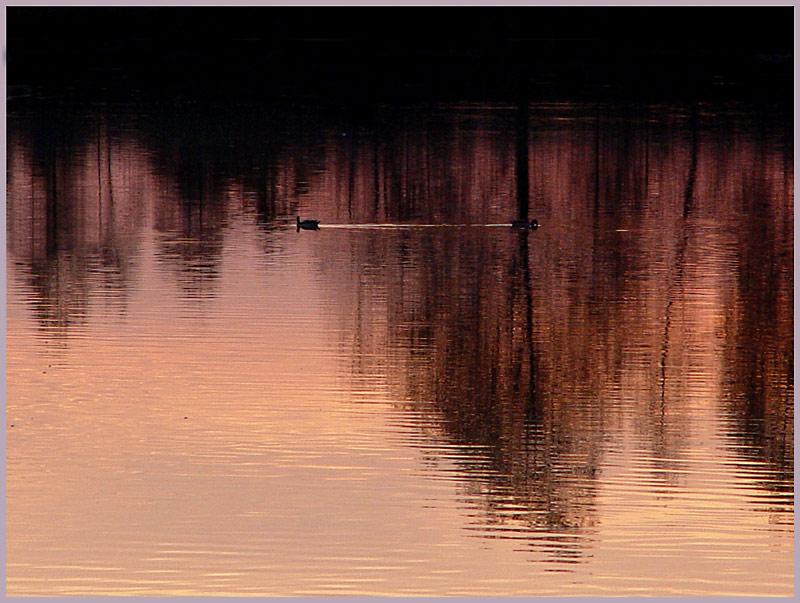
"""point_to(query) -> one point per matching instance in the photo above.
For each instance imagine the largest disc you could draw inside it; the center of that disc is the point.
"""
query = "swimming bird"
(307, 224)
(533, 224)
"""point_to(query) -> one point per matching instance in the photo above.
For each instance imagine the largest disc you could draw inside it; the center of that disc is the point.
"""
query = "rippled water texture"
(204, 401)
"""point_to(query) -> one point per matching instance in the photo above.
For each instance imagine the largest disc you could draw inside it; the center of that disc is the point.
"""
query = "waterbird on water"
(307, 224)
(532, 225)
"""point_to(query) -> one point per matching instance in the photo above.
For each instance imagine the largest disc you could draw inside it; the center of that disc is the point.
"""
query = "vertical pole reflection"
(377, 180)
(523, 389)
(647, 152)
(51, 158)
(687, 197)
(109, 164)
(688, 200)
(99, 180)
(526, 276)
(523, 135)
(105, 190)
(351, 177)
(596, 160)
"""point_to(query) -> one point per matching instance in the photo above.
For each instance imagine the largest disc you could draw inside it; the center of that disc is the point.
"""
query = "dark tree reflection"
(519, 352)
(661, 278)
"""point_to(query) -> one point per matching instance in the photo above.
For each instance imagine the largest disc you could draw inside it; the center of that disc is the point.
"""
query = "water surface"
(412, 400)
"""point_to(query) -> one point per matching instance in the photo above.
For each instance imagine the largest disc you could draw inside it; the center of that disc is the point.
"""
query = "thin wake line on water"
(409, 226)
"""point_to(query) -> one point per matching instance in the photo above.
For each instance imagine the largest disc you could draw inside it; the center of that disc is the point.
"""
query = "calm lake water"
(414, 399)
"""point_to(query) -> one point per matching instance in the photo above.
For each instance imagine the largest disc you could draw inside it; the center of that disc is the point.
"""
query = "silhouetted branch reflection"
(759, 390)
(521, 352)
(660, 283)
(63, 222)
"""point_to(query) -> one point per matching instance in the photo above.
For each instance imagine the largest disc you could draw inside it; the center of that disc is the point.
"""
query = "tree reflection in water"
(661, 280)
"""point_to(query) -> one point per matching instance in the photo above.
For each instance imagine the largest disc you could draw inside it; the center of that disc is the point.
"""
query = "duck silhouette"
(524, 224)
(307, 224)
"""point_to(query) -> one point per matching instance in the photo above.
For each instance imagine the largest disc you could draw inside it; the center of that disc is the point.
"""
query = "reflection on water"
(203, 401)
